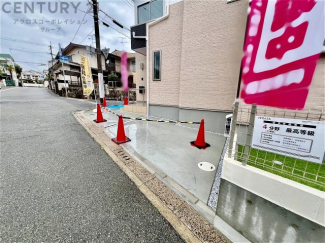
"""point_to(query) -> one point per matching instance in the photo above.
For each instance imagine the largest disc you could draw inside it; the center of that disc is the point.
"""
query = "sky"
(42, 27)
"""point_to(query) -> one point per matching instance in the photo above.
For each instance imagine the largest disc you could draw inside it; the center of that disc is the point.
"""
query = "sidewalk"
(167, 146)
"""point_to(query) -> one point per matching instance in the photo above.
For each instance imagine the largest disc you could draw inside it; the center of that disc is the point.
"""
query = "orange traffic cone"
(104, 103)
(126, 101)
(200, 140)
(121, 138)
(99, 115)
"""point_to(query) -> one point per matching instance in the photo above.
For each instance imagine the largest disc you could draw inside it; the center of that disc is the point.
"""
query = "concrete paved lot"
(168, 147)
(57, 184)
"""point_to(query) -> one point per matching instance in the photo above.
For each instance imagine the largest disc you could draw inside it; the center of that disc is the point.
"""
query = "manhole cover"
(206, 166)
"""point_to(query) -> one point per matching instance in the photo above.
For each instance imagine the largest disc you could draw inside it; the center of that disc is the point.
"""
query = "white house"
(7, 60)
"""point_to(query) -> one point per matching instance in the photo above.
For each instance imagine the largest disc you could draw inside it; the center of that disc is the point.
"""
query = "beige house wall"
(213, 35)
(200, 54)
(141, 75)
(201, 43)
(166, 36)
(316, 96)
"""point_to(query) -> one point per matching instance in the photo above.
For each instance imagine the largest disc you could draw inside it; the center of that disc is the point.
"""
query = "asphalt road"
(58, 185)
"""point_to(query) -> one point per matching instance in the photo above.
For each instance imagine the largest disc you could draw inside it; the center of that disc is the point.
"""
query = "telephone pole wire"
(99, 55)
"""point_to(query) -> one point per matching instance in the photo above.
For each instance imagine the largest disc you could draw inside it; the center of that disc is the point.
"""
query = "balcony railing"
(112, 67)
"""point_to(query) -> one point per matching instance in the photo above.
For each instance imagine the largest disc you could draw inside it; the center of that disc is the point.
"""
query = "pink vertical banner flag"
(124, 71)
(284, 39)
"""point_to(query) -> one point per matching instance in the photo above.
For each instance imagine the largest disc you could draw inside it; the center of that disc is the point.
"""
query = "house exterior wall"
(118, 66)
(141, 76)
(76, 53)
(201, 43)
(200, 60)
(13, 74)
(166, 36)
(31, 76)
(316, 97)
(209, 73)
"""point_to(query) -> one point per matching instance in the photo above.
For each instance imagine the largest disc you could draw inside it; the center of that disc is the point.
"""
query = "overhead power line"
(79, 27)
(115, 21)
(29, 51)
(32, 62)
(128, 4)
(102, 20)
(87, 36)
(107, 25)
(22, 41)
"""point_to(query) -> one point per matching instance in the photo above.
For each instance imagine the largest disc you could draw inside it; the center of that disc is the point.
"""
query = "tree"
(10, 68)
(18, 70)
(48, 77)
(113, 77)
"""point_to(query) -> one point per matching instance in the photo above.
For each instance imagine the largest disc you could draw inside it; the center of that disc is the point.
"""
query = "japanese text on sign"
(291, 137)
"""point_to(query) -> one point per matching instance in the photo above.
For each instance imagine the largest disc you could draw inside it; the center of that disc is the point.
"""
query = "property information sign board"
(291, 137)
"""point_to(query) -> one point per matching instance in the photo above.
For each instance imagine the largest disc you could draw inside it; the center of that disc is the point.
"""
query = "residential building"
(113, 64)
(7, 60)
(188, 58)
(33, 75)
(71, 69)
(110, 63)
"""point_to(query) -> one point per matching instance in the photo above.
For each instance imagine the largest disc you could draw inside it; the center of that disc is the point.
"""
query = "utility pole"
(99, 55)
(122, 41)
(51, 73)
(65, 84)
(92, 38)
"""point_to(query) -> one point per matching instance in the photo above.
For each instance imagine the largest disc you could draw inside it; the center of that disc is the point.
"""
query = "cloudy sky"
(30, 33)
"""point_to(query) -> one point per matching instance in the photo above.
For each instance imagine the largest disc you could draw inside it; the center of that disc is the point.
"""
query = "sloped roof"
(70, 47)
(6, 56)
(119, 54)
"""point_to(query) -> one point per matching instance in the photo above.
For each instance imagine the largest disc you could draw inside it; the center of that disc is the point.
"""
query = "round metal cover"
(206, 166)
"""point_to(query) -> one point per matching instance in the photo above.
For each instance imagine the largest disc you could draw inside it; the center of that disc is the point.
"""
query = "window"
(150, 10)
(143, 13)
(132, 66)
(156, 65)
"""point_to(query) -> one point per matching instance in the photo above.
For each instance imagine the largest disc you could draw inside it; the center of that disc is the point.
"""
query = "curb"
(187, 222)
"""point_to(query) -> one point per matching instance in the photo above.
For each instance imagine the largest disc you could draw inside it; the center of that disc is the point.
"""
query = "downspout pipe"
(148, 50)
